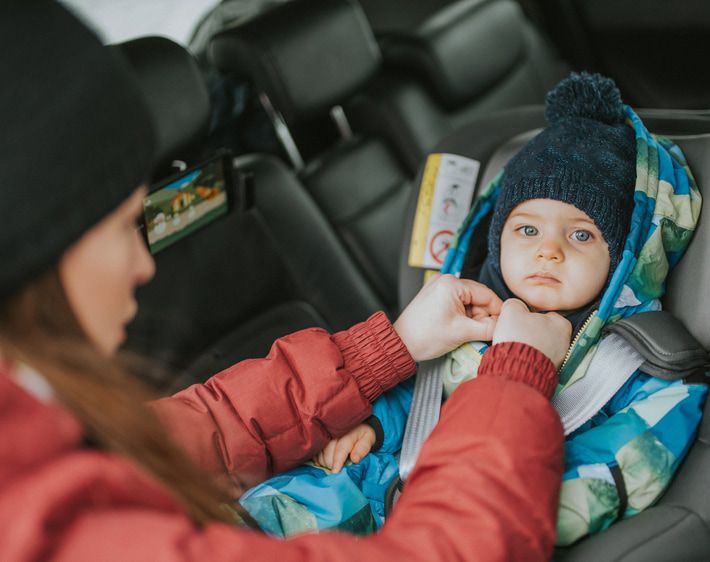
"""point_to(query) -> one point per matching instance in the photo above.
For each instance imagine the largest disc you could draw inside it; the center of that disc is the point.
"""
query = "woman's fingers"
(446, 313)
(550, 333)
(478, 295)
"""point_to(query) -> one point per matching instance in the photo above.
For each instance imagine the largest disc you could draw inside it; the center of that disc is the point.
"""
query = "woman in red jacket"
(87, 473)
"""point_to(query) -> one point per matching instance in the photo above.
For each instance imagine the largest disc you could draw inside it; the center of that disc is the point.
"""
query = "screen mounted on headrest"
(187, 202)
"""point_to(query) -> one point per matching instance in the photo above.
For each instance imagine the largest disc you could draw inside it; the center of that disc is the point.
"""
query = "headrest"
(306, 55)
(175, 92)
(463, 49)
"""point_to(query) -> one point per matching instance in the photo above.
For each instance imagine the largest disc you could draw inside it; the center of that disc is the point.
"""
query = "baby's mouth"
(543, 278)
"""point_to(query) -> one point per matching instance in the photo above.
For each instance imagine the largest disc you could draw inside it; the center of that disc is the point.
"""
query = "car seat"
(271, 266)
(678, 526)
(468, 58)
(306, 59)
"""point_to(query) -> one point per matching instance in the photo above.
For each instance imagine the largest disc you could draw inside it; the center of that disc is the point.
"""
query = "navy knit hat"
(76, 137)
(585, 157)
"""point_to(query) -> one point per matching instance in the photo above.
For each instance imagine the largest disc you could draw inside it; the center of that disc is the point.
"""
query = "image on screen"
(185, 205)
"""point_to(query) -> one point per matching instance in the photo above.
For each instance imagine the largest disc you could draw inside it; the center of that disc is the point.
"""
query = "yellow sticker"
(417, 247)
(445, 194)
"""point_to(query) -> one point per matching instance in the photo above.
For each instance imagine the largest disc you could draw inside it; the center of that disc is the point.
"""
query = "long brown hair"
(38, 327)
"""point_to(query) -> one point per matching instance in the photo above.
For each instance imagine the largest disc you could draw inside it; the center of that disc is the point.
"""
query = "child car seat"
(677, 527)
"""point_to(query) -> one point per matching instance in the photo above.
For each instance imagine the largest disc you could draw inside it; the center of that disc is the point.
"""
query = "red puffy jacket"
(485, 487)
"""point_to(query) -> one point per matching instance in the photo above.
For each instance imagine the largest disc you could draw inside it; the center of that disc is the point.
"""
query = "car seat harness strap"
(614, 361)
(424, 414)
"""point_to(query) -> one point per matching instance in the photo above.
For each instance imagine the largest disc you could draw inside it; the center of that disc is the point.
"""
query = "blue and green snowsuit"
(641, 434)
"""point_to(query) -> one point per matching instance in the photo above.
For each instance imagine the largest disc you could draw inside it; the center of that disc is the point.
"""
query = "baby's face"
(552, 255)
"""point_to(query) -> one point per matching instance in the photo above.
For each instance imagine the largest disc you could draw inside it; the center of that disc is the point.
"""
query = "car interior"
(330, 108)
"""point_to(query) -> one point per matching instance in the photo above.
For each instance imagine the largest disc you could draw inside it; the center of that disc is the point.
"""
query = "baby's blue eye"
(582, 235)
(528, 230)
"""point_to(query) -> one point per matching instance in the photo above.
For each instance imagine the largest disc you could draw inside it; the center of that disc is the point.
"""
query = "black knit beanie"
(585, 157)
(75, 137)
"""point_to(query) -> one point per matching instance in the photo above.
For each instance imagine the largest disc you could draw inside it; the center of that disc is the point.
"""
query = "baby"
(586, 220)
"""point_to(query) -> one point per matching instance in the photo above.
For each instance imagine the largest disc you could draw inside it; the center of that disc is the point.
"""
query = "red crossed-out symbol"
(440, 242)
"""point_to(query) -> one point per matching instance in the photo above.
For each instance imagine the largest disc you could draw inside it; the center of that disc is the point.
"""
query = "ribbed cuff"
(376, 425)
(520, 362)
(375, 355)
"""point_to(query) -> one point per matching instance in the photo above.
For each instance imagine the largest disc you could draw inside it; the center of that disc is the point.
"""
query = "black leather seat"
(678, 527)
(173, 87)
(307, 58)
(468, 58)
(271, 266)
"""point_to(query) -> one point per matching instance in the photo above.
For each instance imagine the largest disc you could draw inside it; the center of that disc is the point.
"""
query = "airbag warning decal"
(445, 194)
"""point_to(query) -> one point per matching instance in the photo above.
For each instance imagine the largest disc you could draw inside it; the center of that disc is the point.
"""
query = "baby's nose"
(550, 250)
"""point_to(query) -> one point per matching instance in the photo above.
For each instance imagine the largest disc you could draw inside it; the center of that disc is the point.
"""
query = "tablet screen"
(183, 204)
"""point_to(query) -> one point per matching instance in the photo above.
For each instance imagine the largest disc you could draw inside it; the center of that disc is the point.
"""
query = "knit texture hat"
(76, 137)
(585, 157)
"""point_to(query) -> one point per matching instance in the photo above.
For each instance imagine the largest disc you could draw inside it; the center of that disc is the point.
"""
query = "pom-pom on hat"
(585, 157)
(76, 139)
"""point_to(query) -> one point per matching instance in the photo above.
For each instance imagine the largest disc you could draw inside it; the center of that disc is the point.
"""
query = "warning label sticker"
(439, 244)
(445, 194)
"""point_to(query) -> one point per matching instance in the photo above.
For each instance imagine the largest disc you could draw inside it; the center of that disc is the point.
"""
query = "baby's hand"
(356, 443)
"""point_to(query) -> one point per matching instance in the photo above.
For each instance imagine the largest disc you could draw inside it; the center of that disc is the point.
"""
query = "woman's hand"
(548, 332)
(446, 313)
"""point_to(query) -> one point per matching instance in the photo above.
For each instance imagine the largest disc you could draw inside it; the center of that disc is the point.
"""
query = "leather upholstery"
(177, 96)
(307, 55)
(362, 189)
(224, 293)
(463, 49)
(271, 266)
(471, 58)
(359, 184)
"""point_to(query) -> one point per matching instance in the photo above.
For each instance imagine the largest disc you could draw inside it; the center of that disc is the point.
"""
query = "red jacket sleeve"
(485, 488)
(263, 416)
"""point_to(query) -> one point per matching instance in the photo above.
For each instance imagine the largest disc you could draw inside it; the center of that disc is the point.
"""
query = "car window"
(121, 20)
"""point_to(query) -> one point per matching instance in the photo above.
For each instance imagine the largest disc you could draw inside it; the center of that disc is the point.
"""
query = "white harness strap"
(424, 413)
(613, 363)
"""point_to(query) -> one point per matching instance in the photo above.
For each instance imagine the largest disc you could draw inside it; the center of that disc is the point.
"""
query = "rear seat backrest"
(471, 57)
(309, 57)
(268, 268)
